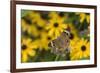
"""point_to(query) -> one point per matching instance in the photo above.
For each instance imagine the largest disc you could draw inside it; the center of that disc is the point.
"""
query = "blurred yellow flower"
(80, 50)
(25, 26)
(33, 23)
(84, 16)
(36, 18)
(27, 49)
(57, 15)
(39, 30)
(53, 15)
(56, 27)
(73, 32)
(43, 41)
(62, 15)
(73, 42)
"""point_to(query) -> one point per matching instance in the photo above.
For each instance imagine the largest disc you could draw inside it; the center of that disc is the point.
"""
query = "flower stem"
(80, 26)
(57, 57)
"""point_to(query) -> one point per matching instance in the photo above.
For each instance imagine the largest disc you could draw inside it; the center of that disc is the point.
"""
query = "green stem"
(80, 26)
(57, 57)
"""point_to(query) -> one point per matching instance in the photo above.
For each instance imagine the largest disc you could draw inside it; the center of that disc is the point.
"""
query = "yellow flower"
(80, 50)
(56, 27)
(53, 15)
(84, 16)
(27, 49)
(25, 26)
(33, 24)
(57, 15)
(36, 18)
(73, 42)
(38, 26)
(73, 32)
(26, 22)
(38, 29)
(43, 41)
(62, 15)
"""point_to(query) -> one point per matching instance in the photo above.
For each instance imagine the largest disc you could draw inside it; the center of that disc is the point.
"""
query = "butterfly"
(60, 45)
